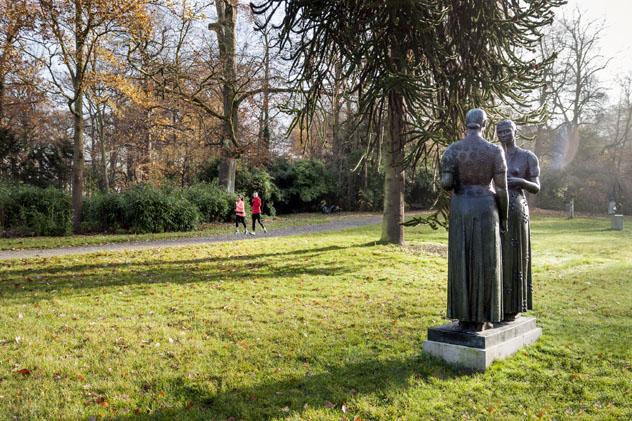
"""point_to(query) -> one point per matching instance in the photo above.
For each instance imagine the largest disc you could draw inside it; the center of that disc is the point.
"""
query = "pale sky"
(616, 38)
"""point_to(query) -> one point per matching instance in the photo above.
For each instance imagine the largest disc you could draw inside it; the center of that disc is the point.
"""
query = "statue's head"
(476, 118)
(506, 130)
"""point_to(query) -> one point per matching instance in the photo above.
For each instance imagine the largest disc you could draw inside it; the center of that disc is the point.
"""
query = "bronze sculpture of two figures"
(489, 246)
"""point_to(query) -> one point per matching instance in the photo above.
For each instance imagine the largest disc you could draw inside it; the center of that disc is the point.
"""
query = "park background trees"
(417, 64)
(355, 113)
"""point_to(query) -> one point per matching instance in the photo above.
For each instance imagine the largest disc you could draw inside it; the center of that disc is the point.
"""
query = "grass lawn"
(328, 326)
(205, 230)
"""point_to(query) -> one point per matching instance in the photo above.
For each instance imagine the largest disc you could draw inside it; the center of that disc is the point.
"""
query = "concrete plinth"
(617, 222)
(477, 350)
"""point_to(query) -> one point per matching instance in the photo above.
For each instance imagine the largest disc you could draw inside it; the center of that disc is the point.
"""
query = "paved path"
(182, 242)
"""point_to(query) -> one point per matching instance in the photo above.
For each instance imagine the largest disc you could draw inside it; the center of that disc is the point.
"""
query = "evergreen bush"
(301, 185)
(150, 209)
(213, 202)
(33, 211)
(104, 212)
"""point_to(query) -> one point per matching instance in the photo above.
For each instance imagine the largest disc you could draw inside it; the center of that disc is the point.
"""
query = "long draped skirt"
(474, 259)
(517, 284)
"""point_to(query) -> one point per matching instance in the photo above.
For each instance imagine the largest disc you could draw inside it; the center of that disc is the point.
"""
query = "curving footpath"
(183, 242)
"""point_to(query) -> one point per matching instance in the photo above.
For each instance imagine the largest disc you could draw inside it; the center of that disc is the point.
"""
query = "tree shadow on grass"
(330, 388)
(65, 267)
(38, 284)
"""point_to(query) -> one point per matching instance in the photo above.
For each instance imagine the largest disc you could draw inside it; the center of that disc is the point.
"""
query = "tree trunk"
(263, 149)
(113, 164)
(392, 230)
(77, 112)
(227, 171)
(226, 39)
(105, 186)
(130, 164)
(3, 72)
(77, 162)
(1, 98)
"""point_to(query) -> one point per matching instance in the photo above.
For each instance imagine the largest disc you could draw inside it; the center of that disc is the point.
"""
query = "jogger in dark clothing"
(256, 217)
(256, 212)
(240, 220)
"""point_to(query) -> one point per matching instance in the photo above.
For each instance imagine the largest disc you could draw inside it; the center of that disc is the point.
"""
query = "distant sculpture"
(523, 173)
(478, 214)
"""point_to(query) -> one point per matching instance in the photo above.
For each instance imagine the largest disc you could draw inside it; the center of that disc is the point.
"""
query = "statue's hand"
(514, 182)
(503, 227)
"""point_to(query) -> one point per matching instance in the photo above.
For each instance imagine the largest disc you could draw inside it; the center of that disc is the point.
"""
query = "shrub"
(5, 205)
(104, 212)
(185, 216)
(301, 184)
(370, 200)
(30, 210)
(420, 189)
(214, 203)
(555, 191)
(149, 209)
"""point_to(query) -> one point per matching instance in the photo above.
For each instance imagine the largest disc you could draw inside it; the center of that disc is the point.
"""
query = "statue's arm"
(448, 167)
(532, 182)
(500, 183)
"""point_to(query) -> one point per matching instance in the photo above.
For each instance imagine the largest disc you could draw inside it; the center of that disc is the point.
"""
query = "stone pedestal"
(477, 350)
(617, 222)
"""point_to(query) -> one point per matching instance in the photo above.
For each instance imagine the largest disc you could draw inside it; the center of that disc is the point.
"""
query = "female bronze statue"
(523, 172)
(478, 212)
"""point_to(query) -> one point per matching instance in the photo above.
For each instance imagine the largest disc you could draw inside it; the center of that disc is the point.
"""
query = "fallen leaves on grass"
(24, 371)
(97, 400)
(102, 401)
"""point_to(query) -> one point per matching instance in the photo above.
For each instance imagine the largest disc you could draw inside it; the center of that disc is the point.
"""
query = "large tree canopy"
(423, 61)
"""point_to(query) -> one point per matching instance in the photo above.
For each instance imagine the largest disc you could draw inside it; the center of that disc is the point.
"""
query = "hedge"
(32, 211)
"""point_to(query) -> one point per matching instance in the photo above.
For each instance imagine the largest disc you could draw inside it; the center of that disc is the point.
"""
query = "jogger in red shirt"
(256, 212)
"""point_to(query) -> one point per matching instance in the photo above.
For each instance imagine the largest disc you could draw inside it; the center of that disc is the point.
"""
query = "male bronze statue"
(478, 214)
(523, 172)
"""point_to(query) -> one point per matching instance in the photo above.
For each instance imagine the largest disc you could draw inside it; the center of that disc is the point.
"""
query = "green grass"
(299, 327)
(22, 243)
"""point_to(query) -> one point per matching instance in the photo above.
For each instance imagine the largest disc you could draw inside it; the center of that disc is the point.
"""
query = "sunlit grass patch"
(324, 326)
